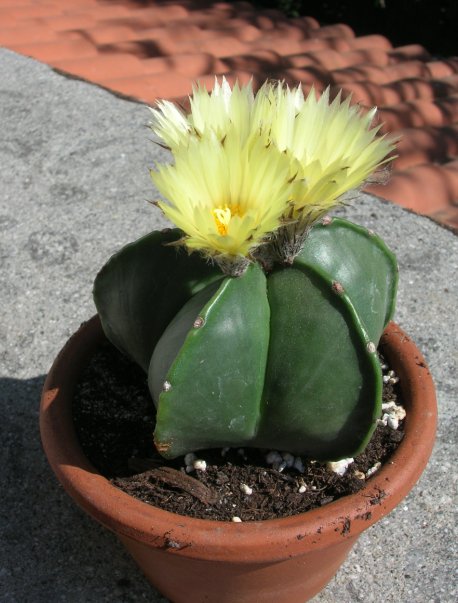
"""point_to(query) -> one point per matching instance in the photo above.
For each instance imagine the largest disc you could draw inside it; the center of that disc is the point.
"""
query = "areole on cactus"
(272, 344)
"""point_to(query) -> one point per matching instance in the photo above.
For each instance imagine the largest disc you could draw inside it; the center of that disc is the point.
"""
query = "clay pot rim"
(262, 541)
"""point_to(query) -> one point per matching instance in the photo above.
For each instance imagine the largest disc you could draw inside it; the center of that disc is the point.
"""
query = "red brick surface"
(151, 50)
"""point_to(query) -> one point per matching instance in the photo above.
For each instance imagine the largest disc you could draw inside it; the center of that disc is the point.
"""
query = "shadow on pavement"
(50, 550)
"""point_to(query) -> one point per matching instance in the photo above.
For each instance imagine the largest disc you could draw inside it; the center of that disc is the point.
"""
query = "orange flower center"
(223, 216)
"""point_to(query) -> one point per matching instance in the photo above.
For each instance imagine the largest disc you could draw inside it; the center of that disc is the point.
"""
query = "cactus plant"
(272, 343)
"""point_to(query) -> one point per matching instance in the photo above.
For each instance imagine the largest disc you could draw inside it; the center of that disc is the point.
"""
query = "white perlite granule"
(339, 467)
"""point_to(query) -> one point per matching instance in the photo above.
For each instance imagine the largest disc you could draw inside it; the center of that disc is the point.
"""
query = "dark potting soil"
(114, 418)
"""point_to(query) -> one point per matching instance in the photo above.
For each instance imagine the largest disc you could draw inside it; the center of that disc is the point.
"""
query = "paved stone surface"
(74, 184)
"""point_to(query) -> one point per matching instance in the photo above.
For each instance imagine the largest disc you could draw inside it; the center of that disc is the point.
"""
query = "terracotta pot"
(277, 561)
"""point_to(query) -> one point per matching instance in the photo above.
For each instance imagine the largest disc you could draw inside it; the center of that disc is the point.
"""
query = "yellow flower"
(224, 196)
(245, 163)
(331, 145)
(211, 113)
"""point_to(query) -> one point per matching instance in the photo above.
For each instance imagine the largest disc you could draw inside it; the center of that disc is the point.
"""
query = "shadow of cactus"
(431, 23)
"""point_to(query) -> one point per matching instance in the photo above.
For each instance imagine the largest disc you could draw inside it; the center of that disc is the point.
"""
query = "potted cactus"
(257, 322)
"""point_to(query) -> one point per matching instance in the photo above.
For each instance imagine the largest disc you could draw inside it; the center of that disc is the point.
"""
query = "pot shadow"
(51, 551)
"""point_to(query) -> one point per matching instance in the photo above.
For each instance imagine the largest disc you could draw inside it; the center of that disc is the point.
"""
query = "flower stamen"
(223, 216)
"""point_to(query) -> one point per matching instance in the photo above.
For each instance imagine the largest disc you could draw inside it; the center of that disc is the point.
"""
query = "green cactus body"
(284, 360)
(141, 288)
(221, 360)
(321, 369)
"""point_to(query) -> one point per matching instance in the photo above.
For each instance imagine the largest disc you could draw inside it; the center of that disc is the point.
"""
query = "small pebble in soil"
(288, 458)
(373, 469)
(299, 465)
(393, 414)
(246, 489)
(200, 465)
(340, 467)
(189, 462)
(189, 459)
(273, 457)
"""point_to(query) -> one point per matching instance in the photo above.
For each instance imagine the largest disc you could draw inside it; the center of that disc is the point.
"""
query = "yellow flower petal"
(225, 198)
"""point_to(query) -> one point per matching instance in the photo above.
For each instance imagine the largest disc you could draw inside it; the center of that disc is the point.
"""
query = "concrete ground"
(74, 184)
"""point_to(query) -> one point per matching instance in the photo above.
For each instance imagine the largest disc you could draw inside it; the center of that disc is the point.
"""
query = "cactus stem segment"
(294, 376)
(199, 322)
